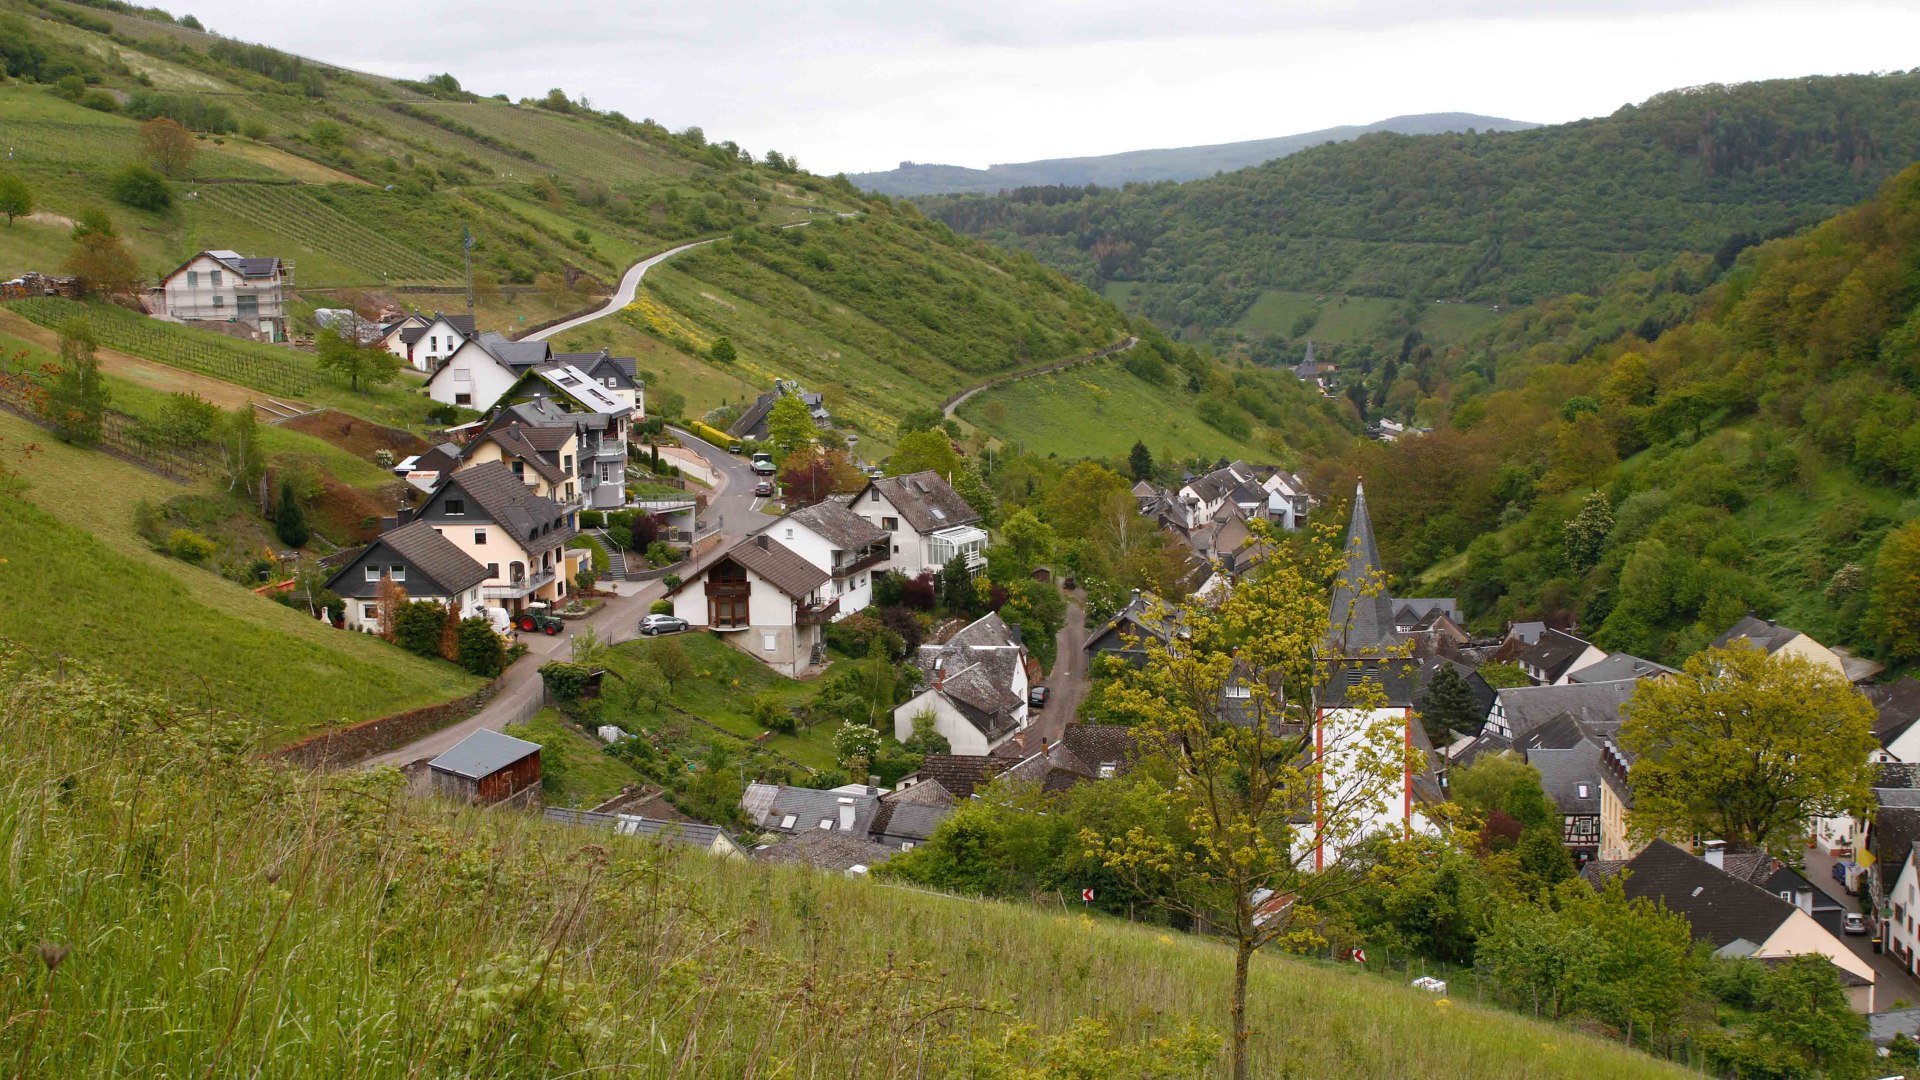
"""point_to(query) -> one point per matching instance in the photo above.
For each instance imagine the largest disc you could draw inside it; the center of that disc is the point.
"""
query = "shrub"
(418, 626)
(563, 680)
(289, 520)
(671, 581)
(662, 606)
(855, 635)
(141, 188)
(481, 651)
(189, 546)
(772, 713)
(100, 101)
(660, 553)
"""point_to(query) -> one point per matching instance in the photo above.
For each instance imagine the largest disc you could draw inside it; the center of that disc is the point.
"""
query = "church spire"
(1361, 624)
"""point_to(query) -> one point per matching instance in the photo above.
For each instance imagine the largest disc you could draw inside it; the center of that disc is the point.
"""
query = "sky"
(856, 85)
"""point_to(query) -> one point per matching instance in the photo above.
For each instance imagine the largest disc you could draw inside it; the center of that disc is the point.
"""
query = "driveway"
(1893, 981)
(733, 510)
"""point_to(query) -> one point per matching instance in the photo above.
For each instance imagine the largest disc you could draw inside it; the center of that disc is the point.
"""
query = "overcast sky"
(854, 85)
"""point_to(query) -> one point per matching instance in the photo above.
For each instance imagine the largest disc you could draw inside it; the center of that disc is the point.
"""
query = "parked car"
(764, 487)
(763, 463)
(734, 448)
(662, 624)
(1037, 697)
(1855, 923)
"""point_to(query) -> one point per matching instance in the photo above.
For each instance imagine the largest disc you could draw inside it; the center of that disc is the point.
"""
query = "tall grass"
(227, 917)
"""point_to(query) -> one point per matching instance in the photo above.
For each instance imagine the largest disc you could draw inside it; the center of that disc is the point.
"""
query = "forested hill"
(1761, 453)
(1498, 216)
(1137, 166)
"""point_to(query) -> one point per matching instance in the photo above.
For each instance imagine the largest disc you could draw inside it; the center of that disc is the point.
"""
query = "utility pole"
(466, 242)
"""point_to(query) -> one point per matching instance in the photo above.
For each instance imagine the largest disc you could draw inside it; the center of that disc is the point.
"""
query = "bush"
(770, 712)
(418, 626)
(481, 651)
(137, 186)
(289, 520)
(565, 681)
(662, 606)
(660, 553)
(100, 101)
(855, 635)
(189, 546)
(671, 581)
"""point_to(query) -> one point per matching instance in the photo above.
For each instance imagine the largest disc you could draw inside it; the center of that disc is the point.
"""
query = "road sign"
(1359, 956)
(1086, 896)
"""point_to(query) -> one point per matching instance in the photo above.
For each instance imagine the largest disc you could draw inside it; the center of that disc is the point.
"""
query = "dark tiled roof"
(462, 323)
(1895, 829)
(811, 806)
(1563, 773)
(1415, 609)
(412, 334)
(1527, 707)
(682, 833)
(518, 442)
(1554, 653)
(753, 417)
(1720, 908)
(839, 526)
(959, 774)
(533, 520)
(912, 813)
(1361, 624)
(822, 850)
(928, 502)
(435, 556)
(514, 354)
(975, 672)
(1100, 744)
(783, 568)
(1131, 628)
(1898, 706)
(1619, 666)
(482, 754)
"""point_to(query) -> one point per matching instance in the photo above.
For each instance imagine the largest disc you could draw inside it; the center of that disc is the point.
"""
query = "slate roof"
(518, 442)
(1895, 830)
(1100, 744)
(1527, 707)
(1412, 610)
(462, 322)
(1883, 1026)
(926, 501)
(1361, 625)
(1767, 636)
(1132, 622)
(683, 833)
(1527, 632)
(752, 417)
(783, 567)
(974, 670)
(533, 520)
(822, 850)
(412, 334)
(1053, 769)
(1898, 706)
(959, 774)
(515, 354)
(1563, 772)
(1720, 908)
(436, 558)
(1554, 653)
(839, 526)
(809, 807)
(1618, 666)
(547, 438)
(482, 754)
(912, 813)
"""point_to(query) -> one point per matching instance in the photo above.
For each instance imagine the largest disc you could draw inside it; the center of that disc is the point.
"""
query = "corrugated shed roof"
(482, 754)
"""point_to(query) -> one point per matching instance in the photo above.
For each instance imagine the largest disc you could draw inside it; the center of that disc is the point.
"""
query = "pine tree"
(1140, 462)
(1449, 707)
(289, 520)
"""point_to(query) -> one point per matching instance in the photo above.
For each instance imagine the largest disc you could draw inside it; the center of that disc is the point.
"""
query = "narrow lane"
(629, 285)
(1894, 983)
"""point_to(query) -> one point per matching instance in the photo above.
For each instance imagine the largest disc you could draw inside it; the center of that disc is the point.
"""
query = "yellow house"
(1773, 639)
(544, 458)
(519, 536)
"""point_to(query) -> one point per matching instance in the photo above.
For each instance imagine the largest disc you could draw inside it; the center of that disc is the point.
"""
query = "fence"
(121, 435)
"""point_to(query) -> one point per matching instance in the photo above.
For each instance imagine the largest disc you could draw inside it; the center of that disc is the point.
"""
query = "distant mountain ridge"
(1176, 163)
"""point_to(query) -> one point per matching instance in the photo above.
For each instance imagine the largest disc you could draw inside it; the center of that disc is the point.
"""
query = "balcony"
(520, 587)
(609, 450)
(873, 556)
(817, 614)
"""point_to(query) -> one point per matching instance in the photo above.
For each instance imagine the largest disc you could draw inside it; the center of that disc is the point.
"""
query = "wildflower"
(52, 955)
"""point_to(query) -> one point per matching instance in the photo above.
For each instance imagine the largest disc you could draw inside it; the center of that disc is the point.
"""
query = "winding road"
(963, 396)
(629, 285)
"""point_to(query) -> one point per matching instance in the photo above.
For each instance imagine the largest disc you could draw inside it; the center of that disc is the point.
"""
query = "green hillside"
(176, 906)
(1505, 217)
(367, 185)
(1754, 437)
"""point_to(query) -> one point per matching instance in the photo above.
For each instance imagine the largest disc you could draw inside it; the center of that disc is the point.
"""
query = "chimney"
(846, 813)
(873, 785)
(939, 673)
(1715, 852)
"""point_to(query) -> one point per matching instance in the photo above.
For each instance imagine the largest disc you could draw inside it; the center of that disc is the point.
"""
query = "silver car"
(662, 624)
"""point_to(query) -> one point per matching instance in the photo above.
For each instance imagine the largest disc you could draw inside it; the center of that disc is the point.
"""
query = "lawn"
(722, 690)
(575, 770)
(81, 582)
(1098, 410)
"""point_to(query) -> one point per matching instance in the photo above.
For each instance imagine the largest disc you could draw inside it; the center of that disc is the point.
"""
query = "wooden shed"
(487, 767)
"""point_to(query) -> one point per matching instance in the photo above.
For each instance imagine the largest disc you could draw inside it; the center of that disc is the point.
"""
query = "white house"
(225, 286)
(418, 559)
(764, 599)
(482, 368)
(848, 547)
(928, 523)
(520, 537)
(975, 686)
(1556, 656)
(618, 376)
(438, 340)
(398, 336)
(1773, 639)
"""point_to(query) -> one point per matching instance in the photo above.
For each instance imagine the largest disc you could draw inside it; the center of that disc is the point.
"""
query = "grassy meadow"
(1099, 409)
(721, 692)
(176, 906)
(82, 583)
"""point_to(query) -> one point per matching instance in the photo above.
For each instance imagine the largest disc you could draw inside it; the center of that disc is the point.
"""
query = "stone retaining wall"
(343, 747)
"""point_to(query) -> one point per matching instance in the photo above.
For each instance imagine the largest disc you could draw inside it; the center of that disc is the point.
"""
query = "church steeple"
(1361, 624)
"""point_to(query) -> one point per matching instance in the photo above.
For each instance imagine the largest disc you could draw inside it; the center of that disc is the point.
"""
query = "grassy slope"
(105, 597)
(726, 681)
(1099, 410)
(586, 777)
(1358, 320)
(238, 914)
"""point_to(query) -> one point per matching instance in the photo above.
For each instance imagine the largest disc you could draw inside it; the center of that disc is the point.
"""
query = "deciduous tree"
(355, 362)
(101, 263)
(1894, 612)
(1585, 534)
(16, 198)
(77, 402)
(1746, 747)
(167, 146)
(789, 424)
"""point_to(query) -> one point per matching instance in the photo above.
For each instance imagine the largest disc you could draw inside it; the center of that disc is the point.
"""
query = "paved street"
(732, 509)
(1894, 983)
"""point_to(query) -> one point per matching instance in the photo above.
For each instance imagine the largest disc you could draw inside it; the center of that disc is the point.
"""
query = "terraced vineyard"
(567, 145)
(274, 370)
(297, 214)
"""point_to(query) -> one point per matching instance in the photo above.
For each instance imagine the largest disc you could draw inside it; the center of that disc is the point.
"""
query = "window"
(193, 279)
(454, 507)
(876, 495)
(1584, 790)
(826, 823)
(567, 461)
(493, 570)
(520, 470)
(906, 845)
(373, 573)
(433, 343)
(214, 277)
(479, 536)
(463, 399)
(219, 301)
(787, 822)
(789, 532)
(462, 375)
(890, 524)
(399, 572)
(1240, 690)
(608, 380)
